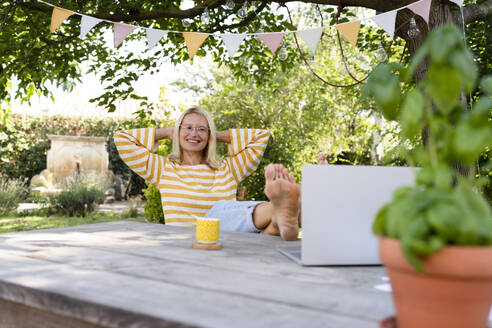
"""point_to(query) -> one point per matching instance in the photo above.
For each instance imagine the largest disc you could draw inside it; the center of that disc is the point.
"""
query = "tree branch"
(477, 12)
(471, 12)
(245, 21)
(379, 5)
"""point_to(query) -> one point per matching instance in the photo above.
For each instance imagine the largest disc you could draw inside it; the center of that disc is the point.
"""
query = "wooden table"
(129, 274)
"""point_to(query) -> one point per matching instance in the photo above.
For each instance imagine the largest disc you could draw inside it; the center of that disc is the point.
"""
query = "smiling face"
(193, 133)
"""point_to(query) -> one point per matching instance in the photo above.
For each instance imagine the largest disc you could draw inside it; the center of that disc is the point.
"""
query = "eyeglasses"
(202, 130)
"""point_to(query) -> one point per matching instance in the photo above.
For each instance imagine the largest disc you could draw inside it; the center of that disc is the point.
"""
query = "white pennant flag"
(458, 2)
(232, 42)
(87, 23)
(153, 36)
(386, 21)
(311, 37)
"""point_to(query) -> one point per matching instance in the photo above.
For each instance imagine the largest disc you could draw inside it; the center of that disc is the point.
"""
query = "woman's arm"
(223, 136)
(136, 148)
(164, 133)
(246, 148)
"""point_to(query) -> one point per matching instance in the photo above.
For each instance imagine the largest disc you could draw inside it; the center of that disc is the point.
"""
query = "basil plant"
(445, 139)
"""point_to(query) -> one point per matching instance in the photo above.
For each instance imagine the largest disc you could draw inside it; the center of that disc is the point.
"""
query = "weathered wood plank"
(171, 302)
(326, 295)
(36, 308)
(15, 315)
(153, 271)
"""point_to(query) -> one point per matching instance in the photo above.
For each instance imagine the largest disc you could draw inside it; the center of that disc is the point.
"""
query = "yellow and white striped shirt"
(189, 191)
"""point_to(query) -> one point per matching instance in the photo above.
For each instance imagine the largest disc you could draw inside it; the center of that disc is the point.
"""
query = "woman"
(195, 182)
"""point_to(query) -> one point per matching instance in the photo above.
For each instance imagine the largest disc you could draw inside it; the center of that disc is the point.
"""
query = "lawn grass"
(14, 223)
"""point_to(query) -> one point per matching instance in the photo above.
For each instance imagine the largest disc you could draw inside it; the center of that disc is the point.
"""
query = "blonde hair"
(211, 158)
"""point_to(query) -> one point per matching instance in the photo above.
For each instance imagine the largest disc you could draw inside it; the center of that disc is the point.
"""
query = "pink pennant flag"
(421, 8)
(272, 40)
(121, 31)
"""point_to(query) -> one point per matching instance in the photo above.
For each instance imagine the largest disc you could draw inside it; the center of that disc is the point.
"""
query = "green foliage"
(304, 119)
(59, 58)
(12, 192)
(444, 207)
(81, 194)
(132, 210)
(34, 220)
(153, 207)
(479, 40)
(304, 115)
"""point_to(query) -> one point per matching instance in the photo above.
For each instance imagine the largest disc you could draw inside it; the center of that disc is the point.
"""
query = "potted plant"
(436, 236)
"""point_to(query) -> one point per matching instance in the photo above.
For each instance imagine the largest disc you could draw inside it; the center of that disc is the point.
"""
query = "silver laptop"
(339, 204)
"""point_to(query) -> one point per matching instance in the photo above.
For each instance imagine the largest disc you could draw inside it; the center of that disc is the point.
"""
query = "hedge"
(24, 144)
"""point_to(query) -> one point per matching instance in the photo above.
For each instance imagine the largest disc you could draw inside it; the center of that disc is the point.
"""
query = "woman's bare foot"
(283, 193)
(322, 159)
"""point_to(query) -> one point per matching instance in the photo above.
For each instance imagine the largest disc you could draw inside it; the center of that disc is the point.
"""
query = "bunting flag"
(194, 41)
(58, 16)
(421, 8)
(232, 42)
(272, 40)
(458, 2)
(311, 37)
(386, 21)
(154, 36)
(87, 23)
(121, 31)
(350, 31)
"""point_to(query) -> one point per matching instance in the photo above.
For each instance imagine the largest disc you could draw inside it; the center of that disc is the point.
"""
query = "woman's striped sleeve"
(136, 148)
(246, 150)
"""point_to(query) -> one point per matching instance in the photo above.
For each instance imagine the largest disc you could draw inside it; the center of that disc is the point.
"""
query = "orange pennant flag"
(58, 16)
(350, 31)
(194, 41)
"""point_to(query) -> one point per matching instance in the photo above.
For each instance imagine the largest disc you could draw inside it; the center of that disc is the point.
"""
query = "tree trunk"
(442, 12)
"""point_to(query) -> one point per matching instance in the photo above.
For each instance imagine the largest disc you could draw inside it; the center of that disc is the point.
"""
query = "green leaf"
(469, 142)
(463, 63)
(402, 192)
(378, 225)
(416, 60)
(444, 217)
(416, 230)
(411, 257)
(425, 176)
(444, 88)
(443, 177)
(384, 87)
(412, 113)
(398, 215)
(480, 112)
(486, 85)
(442, 42)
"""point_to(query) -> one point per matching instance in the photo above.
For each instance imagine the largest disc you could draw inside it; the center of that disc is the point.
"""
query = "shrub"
(25, 140)
(12, 192)
(132, 210)
(81, 194)
(153, 207)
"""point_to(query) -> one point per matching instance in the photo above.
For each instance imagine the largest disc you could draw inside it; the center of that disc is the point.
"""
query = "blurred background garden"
(311, 103)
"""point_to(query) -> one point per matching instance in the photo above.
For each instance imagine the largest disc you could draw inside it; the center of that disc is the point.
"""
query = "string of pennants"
(193, 40)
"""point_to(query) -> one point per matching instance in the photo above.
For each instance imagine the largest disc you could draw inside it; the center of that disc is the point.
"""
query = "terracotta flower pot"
(455, 291)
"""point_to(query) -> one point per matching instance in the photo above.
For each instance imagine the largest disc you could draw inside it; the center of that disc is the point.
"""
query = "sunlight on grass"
(14, 224)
